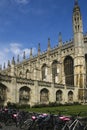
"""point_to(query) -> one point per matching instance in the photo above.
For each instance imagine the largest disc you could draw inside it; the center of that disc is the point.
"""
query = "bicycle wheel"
(26, 124)
(9, 122)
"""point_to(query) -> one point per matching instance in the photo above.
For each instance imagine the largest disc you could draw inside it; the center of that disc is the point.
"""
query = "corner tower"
(77, 25)
(79, 58)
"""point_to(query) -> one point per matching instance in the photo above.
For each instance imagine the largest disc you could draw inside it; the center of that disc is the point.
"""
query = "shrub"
(17, 106)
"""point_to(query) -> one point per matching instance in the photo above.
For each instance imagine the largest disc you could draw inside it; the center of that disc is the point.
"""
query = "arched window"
(3, 94)
(70, 96)
(69, 70)
(54, 71)
(59, 96)
(24, 95)
(44, 95)
(44, 72)
(27, 73)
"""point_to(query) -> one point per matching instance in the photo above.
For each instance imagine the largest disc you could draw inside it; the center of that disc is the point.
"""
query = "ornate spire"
(24, 55)
(76, 2)
(38, 48)
(4, 66)
(8, 63)
(31, 53)
(13, 61)
(48, 44)
(18, 59)
(60, 39)
(0, 67)
(76, 6)
(77, 18)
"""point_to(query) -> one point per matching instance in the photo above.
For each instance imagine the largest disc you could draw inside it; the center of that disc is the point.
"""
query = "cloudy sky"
(25, 23)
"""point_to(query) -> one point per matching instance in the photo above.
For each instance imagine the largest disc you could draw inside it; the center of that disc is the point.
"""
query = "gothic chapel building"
(56, 75)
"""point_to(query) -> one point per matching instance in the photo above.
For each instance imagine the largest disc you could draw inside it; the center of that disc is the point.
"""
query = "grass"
(65, 110)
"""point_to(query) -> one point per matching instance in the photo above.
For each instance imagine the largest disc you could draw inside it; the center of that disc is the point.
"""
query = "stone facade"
(56, 75)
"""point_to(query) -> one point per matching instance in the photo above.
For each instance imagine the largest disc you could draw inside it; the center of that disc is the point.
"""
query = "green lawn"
(65, 110)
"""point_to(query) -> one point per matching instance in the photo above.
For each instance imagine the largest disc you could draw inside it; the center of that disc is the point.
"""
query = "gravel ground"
(13, 127)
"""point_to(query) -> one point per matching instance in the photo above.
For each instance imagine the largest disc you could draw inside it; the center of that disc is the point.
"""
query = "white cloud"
(22, 1)
(3, 57)
(27, 51)
(15, 49)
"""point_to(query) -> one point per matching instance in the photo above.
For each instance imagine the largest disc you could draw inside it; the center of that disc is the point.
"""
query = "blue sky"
(25, 23)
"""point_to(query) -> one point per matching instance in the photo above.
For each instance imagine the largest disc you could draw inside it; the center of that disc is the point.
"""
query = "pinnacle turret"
(8, 63)
(31, 53)
(13, 61)
(77, 18)
(39, 49)
(76, 2)
(24, 55)
(18, 59)
(49, 44)
(60, 39)
(76, 6)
